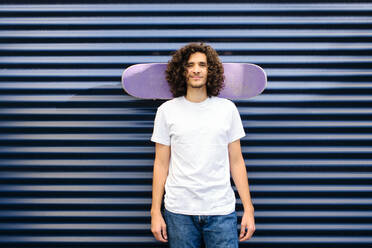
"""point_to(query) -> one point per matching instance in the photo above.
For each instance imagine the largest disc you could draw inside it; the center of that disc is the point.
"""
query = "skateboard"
(147, 81)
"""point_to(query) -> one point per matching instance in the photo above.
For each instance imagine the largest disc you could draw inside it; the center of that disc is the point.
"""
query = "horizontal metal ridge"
(97, 136)
(303, 111)
(80, 175)
(77, 239)
(78, 149)
(92, 188)
(182, 20)
(185, 33)
(148, 175)
(99, 239)
(128, 201)
(124, 98)
(78, 111)
(146, 136)
(307, 149)
(115, 85)
(75, 200)
(109, 73)
(93, 213)
(140, 151)
(78, 162)
(195, 7)
(149, 124)
(84, 124)
(146, 214)
(135, 226)
(309, 162)
(310, 214)
(312, 124)
(104, 163)
(67, 85)
(151, 111)
(95, 226)
(311, 85)
(147, 188)
(171, 46)
(136, 59)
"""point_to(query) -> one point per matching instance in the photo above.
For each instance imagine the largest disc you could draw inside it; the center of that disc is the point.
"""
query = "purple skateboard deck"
(148, 81)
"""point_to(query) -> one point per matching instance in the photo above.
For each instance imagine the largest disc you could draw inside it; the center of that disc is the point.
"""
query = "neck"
(196, 94)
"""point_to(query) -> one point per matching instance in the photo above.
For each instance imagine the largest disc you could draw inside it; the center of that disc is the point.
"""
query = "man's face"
(197, 70)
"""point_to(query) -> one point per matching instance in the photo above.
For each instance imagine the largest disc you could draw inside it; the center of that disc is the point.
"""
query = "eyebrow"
(201, 62)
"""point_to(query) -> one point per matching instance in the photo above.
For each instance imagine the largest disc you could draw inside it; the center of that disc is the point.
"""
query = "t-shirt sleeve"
(161, 131)
(236, 128)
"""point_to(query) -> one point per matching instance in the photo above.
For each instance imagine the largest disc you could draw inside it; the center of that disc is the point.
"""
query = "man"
(197, 145)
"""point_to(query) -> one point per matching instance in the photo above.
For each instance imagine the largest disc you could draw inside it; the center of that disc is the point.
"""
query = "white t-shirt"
(198, 181)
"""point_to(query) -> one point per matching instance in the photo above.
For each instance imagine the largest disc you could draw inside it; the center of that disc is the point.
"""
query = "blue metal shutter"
(75, 156)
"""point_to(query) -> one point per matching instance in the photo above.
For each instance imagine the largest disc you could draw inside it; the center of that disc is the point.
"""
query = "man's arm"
(239, 175)
(161, 166)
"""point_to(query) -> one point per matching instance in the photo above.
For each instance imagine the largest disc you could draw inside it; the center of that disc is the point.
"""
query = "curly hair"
(176, 69)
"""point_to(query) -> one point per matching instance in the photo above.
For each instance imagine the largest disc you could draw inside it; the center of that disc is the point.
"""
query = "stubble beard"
(198, 86)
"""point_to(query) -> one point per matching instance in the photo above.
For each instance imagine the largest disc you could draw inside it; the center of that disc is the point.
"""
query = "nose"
(196, 69)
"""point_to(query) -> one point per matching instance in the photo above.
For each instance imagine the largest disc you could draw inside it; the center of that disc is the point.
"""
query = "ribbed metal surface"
(76, 160)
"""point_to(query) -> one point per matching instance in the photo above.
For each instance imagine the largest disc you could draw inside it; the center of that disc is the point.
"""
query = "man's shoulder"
(223, 101)
(170, 103)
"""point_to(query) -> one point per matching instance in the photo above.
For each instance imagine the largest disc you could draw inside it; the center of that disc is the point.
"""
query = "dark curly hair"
(176, 69)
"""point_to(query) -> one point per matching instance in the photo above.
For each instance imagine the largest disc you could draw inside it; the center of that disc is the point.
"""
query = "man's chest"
(208, 126)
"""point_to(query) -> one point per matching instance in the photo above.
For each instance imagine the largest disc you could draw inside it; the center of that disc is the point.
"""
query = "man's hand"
(158, 227)
(247, 226)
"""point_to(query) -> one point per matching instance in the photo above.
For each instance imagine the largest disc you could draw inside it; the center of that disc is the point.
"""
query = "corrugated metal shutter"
(76, 160)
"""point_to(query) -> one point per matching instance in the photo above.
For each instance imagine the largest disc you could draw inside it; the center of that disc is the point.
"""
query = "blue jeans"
(188, 231)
